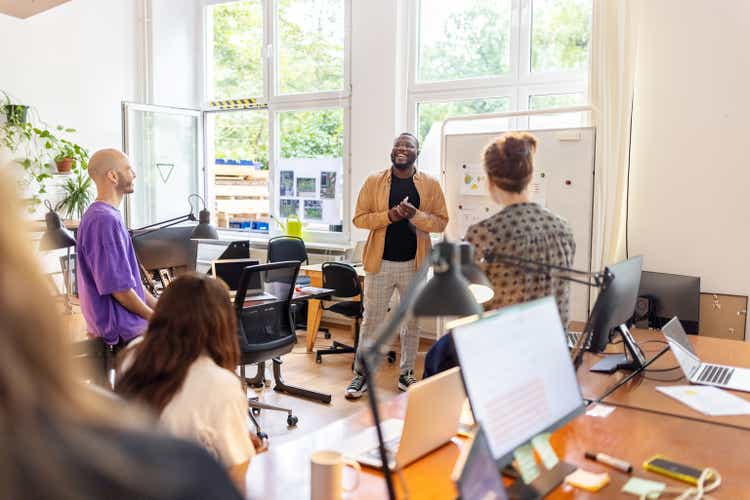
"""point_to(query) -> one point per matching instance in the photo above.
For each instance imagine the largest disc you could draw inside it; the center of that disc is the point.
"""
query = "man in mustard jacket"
(401, 207)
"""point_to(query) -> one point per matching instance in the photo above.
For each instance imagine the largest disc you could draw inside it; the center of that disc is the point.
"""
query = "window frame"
(276, 103)
(518, 84)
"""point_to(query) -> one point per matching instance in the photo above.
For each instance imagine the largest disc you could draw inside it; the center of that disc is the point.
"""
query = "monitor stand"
(540, 487)
(632, 360)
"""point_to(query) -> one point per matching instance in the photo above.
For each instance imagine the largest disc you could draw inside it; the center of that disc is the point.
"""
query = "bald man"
(113, 301)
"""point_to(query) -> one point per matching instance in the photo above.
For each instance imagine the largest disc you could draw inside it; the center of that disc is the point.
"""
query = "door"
(165, 146)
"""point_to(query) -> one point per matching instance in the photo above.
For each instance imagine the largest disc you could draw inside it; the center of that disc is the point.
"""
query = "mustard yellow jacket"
(372, 213)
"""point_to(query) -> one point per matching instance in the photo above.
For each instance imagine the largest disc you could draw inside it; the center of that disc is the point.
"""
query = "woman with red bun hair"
(521, 229)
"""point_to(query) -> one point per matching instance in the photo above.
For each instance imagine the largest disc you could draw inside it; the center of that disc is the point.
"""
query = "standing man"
(401, 207)
(113, 301)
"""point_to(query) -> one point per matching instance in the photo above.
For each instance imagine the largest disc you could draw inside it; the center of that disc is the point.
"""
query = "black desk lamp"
(57, 237)
(203, 231)
(445, 294)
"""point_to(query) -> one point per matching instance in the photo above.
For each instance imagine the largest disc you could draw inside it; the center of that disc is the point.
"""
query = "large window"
(486, 56)
(279, 151)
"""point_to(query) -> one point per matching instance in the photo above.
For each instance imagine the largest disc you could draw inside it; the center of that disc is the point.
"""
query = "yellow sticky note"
(588, 481)
(526, 462)
(545, 451)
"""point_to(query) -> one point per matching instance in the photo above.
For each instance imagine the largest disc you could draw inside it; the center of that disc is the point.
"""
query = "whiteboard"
(565, 157)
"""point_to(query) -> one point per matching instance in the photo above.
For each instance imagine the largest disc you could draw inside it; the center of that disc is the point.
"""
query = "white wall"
(74, 64)
(690, 176)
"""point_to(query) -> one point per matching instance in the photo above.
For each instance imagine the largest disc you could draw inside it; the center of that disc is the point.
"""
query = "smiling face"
(405, 151)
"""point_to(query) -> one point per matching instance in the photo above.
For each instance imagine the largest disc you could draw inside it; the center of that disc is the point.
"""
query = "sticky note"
(545, 451)
(640, 487)
(589, 481)
(601, 411)
(526, 462)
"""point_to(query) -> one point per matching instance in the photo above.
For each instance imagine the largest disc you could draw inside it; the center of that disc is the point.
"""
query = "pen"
(618, 464)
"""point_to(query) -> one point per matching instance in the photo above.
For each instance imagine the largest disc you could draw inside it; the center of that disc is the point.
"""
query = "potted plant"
(78, 195)
(15, 114)
(66, 156)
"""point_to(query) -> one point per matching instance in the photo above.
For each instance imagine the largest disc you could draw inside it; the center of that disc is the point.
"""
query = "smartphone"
(662, 465)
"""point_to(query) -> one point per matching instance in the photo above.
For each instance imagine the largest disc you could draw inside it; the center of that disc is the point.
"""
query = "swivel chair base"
(281, 386)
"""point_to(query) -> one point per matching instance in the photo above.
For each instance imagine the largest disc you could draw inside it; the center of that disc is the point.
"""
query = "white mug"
(327, 474)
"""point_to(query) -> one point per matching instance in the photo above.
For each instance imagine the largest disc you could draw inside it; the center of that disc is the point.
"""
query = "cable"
(697, 492)
(656, 370)
(627, 184)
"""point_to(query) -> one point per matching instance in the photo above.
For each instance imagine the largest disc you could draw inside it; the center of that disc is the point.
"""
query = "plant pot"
(64, 165)
(16, 113)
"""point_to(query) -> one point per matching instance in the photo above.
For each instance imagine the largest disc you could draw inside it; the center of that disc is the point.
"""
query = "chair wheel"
(291, 421)
(327, 335)
(257, 385)
(256, 411)
(262, 435)
(318, 358)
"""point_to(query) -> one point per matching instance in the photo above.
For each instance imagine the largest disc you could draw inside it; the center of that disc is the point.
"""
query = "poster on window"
(306, 187)
(312, 188)
(288, 208)
(286, 183)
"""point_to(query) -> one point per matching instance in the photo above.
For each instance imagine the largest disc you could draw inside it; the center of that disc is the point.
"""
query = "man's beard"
(401, 166)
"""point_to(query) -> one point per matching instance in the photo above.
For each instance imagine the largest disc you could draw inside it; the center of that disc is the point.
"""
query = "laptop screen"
(480, 478)
(674, 330)
(518, 374)
(230, 271)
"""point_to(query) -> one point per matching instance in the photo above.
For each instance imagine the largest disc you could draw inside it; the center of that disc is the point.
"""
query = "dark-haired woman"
(522, 229)
(184, 370)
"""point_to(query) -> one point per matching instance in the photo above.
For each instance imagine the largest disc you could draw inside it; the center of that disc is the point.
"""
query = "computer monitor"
(169, 247)
(663, 296)
(211, 250)
(230, 272)
(517, 374)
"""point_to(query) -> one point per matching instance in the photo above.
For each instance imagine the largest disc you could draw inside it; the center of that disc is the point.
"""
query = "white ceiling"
(27, 8)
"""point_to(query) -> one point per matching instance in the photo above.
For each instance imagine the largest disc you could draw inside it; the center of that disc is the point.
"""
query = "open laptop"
(230, 270)
(698, 372)
(433, 409)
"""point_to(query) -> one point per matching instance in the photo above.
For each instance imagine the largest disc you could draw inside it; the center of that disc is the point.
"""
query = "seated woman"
(521, 229)
(60, 438)
(184, 370)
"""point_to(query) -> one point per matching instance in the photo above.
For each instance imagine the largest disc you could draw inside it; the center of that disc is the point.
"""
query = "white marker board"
(565, 157)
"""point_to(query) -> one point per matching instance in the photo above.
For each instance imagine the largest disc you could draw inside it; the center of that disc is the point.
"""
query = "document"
(707, 399)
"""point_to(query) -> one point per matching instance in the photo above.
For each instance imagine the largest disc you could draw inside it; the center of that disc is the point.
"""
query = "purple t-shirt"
(106, 264)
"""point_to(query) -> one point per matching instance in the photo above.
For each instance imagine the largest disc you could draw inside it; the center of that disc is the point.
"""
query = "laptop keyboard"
(713, 374)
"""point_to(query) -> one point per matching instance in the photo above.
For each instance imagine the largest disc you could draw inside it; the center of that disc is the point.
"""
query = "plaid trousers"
(379, 288)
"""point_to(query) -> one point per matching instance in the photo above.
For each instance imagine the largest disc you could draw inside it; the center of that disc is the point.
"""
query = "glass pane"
(311, 46)
(310, 172)
(164, 151)
(240, 152)
(235, 42)
(466, 39)
(562, 120)
(560, 35)
(431, 112)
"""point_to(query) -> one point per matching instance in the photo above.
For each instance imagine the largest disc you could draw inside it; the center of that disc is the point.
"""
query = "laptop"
(433, 409)
(230, 270)
(476, 474)
(698, 372)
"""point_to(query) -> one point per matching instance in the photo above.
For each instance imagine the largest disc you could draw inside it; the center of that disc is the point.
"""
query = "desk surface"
(641, 391)
(633, 435)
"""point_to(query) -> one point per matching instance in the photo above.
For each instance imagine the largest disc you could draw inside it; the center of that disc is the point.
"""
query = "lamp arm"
(596, 279)
(142, 231)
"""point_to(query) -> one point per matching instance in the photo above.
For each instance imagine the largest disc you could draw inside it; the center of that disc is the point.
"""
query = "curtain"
(611, 86)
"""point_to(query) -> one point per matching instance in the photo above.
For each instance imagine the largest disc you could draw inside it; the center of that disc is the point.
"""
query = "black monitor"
(663, 296)
(169, 247)
(211, 250)
(612, 311)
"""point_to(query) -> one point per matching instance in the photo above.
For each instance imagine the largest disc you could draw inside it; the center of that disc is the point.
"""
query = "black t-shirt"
(401, 236)
(146, 466)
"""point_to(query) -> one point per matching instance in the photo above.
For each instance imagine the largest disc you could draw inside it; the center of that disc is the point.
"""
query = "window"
(280, 152)
(487, 56)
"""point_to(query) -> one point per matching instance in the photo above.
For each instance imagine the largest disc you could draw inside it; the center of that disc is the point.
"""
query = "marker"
(618, 464)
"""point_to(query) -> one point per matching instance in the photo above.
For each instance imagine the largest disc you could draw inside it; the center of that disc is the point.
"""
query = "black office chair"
(266, 331)
(344, 280)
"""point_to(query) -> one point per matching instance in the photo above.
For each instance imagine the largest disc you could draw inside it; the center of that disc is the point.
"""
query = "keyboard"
(713, 374)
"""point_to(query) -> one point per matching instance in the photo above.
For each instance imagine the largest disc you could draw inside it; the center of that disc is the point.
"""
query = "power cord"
(657, 370)
(698, 492)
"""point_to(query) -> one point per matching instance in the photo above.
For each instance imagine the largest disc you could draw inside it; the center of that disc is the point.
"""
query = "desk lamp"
(445, 294)
(57, 237)
(203, 231)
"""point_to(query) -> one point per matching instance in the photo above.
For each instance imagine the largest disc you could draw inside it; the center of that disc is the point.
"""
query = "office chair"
(266, 331)
(344, 280)
(286, 248)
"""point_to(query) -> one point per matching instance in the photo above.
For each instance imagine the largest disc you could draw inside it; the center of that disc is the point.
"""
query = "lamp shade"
(479, 285)
(447, 292)
(204, 230)
(56, 236)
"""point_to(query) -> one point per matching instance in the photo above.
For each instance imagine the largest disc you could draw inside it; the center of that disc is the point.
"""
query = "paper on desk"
(524, 456)
(600, 410)
(545, 451)
(640, 487)
(707, 399)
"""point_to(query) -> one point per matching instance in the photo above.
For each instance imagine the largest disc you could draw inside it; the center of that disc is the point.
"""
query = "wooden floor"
(331, 376)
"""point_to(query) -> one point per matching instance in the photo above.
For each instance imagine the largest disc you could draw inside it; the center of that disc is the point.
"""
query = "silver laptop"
(433, 410)
(698, 372)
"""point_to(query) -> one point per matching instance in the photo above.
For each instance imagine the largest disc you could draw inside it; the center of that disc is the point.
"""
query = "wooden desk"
(314, 311)
(641, 392)
(633, 435)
